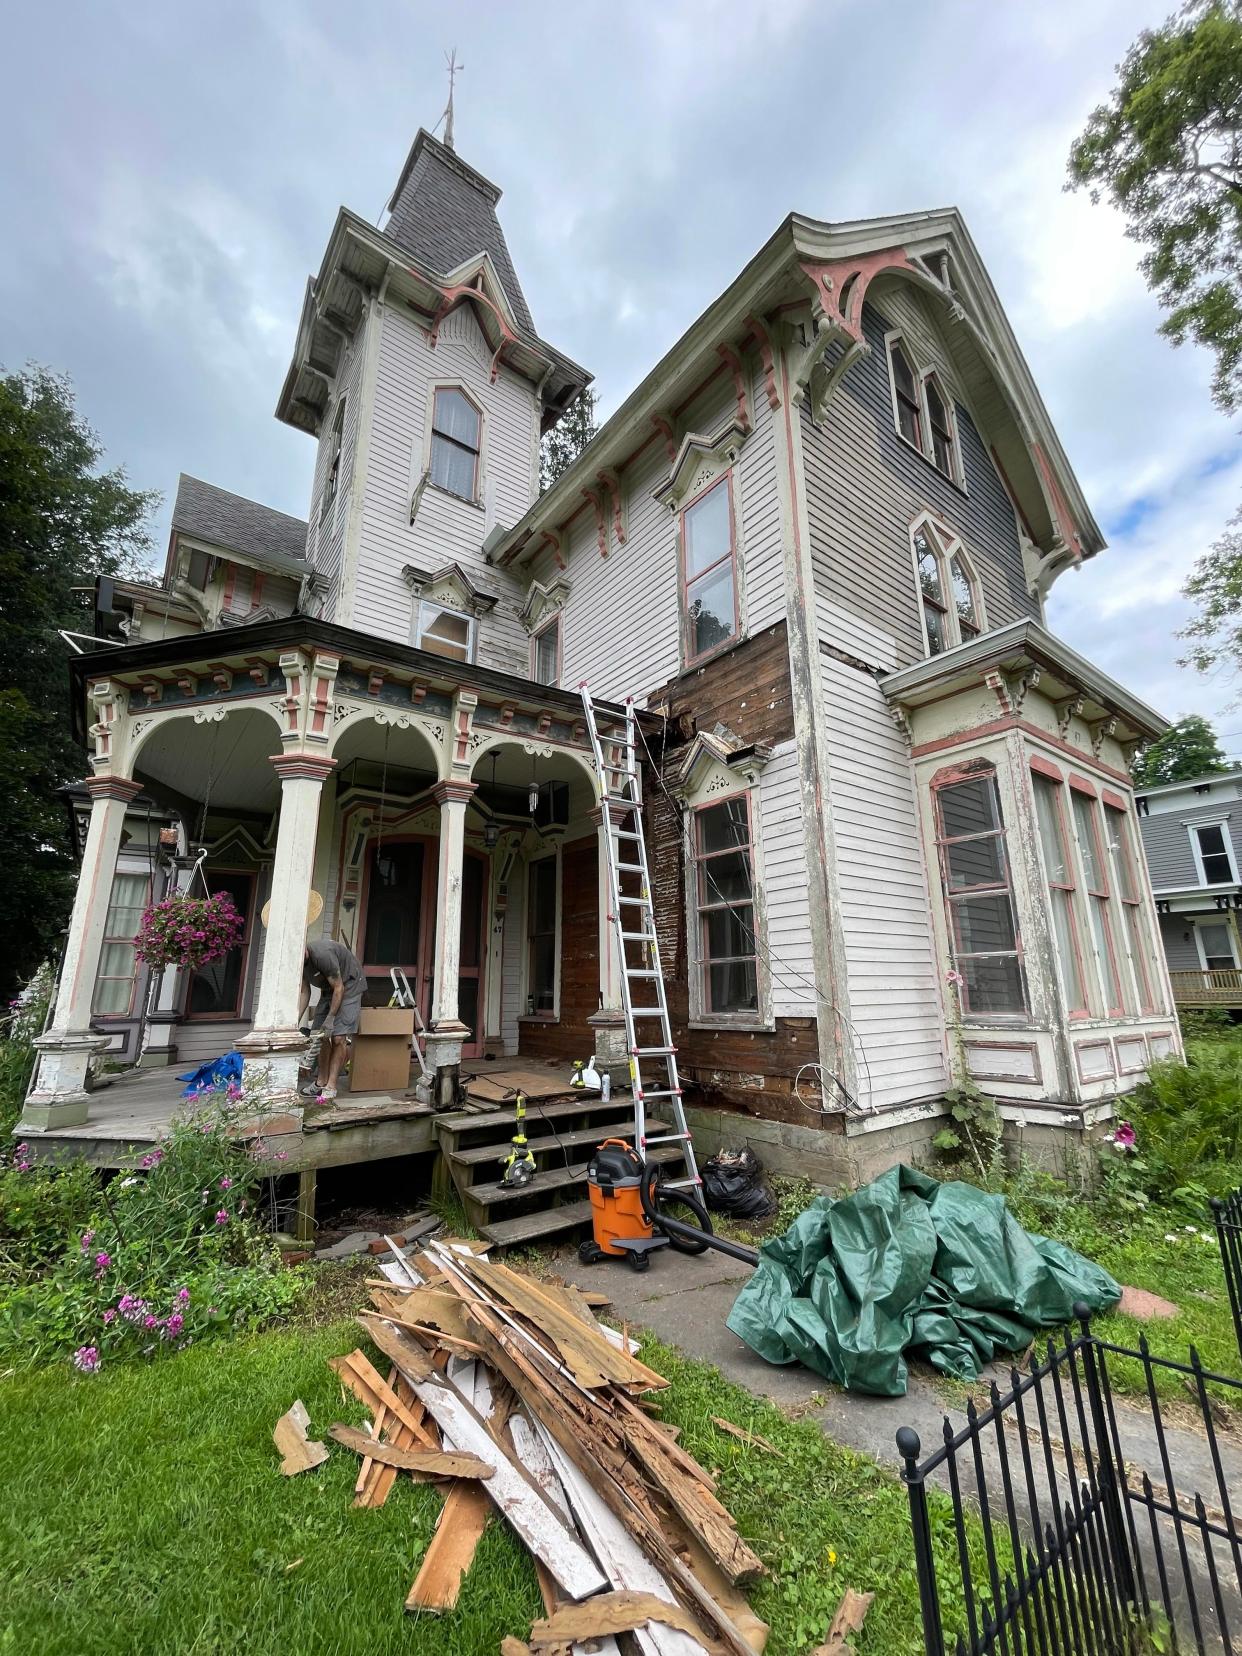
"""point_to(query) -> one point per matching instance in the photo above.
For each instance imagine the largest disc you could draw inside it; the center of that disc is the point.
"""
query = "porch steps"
(562, 1133)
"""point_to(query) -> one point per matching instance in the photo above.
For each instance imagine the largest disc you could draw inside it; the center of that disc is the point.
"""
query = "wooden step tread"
(509, 1233)
(591, 1103)
(554, 1178)
(545, 1144)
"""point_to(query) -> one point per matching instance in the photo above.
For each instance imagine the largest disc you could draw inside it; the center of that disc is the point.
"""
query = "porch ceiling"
(225, 762)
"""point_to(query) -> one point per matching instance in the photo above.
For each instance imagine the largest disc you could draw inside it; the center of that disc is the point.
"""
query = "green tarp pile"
(909, 1267)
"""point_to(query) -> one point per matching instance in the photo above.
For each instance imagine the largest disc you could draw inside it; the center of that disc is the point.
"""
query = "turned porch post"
(447, 1030)
(274, 1046)
(57, 1096)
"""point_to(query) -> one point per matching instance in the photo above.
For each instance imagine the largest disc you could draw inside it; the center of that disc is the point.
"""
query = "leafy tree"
(1167, 149)
(1187, 749)
(1215, 585)
(568, 437)
(62, 523)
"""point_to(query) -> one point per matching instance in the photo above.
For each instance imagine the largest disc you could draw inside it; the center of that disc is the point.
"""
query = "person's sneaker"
(327, 1093)
(310, 1090)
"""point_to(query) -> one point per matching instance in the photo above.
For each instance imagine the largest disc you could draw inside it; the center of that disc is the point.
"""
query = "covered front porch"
(444, 814)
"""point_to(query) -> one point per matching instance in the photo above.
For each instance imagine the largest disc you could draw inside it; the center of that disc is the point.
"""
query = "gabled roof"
(443, 212)
(235, 524)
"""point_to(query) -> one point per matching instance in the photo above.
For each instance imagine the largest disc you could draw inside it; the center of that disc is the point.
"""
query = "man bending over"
(335, 972)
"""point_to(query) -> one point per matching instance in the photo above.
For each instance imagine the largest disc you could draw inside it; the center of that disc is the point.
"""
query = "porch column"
(274, 1047)
(57, 1096)
(608, 1021)
(447, 1030)
(159, 1045)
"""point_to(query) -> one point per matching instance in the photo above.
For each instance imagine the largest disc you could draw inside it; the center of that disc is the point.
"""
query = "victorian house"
(889, 814)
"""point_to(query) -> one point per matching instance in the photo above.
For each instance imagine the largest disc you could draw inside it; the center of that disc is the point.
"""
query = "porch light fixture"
(532, 801)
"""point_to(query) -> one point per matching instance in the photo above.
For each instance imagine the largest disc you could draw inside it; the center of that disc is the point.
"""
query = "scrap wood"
(848, 1619)
(753, 1440)
(615, 1612)
(463, 1518)
(374, 1489)
(432, 1463)
(381, 1423)
(298, 1452)
(356, 1372)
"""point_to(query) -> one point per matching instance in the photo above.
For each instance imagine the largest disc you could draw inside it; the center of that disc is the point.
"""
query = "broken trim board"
(431, 1463)
(297, 1452)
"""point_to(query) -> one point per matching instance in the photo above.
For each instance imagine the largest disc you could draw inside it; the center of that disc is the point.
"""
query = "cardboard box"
(380, 1059)
(386, 1020)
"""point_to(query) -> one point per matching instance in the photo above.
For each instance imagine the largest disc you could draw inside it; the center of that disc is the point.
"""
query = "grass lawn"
(144, 1511)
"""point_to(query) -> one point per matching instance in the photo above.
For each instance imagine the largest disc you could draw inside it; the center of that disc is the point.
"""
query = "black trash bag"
(733, 1184)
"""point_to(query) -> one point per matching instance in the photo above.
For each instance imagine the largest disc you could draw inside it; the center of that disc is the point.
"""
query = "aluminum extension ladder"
(633, 919)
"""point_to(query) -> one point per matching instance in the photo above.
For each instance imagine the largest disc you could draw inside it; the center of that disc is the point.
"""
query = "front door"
(216, 989)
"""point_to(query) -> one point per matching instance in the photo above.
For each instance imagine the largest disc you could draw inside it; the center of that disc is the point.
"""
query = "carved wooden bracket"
(596, 500)
(665, 427)
(1067, 709)
(221, 675)
(902, 720)
(1011, 690)
(609, 480)
(735, 366)
(759, 331)
(1101, 729)
(258, 670)
(552, 538)
(375, 681)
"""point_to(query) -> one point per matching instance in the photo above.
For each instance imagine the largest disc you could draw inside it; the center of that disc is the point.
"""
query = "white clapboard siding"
(759, 506)
(885, 915)
(790, 960)
(199, 1042)
(445, 529)
(327, 533)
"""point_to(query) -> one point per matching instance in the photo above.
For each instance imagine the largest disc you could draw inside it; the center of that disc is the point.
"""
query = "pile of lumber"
(512, 1391)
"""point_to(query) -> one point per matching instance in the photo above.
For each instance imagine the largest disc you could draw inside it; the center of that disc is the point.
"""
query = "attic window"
(906, 395)
(456, 426)
(948, 587)
(940, 426)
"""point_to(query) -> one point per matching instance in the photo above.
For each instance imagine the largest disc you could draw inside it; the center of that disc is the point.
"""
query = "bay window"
(709, 571)
(978, 892)
(1059, 873)
(724, 897)
(1095, 875)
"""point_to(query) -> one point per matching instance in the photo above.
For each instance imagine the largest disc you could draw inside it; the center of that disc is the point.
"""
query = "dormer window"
(948, 587)
(456, 429)
(444, 632)
(906, 395)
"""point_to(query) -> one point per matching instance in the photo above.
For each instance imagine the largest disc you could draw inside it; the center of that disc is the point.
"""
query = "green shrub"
(1209, 1023)
(171, 1252)
(18, 1028)
(39, 1207)
(1189, 1119)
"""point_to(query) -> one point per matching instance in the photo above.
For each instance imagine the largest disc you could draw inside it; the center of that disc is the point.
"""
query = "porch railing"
(1222, 988)
(1228, 1216)
(1084, 1550)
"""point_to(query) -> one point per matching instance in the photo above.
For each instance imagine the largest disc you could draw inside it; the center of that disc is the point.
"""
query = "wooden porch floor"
(134, 1110)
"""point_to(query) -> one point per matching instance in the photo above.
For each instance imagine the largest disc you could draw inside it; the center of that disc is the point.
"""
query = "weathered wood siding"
(790, 959)
(325, 537)
(445, 528)
(864, 485)
(894, 996)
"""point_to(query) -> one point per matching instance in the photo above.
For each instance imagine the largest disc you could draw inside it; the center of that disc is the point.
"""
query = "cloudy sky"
(172, 174)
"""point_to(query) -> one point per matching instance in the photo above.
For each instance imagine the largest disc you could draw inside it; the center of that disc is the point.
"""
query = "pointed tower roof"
(443, 213)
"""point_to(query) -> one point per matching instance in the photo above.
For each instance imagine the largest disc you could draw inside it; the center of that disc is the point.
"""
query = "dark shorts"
(346, 1020)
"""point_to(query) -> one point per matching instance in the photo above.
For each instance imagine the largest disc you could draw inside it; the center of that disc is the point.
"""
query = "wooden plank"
(379, 1424)
(849, 1619)
(752, 1440)
(452, 1125)
(516, 1495)
(463, 1518)
(297, 1452)
(382, 1478)
(513, 1233)
(433, 1463)
(616, 1612)
(357, 1372)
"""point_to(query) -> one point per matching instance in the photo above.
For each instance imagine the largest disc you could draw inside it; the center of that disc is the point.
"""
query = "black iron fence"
(1074, 1526)
(1228, 1217)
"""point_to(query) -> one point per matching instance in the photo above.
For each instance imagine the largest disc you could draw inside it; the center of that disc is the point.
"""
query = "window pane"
(116, 960)
(1050, 836)
(975, 862)
(1217, 947)
(452, 468)
(1099, 930)
(394, 903)
(543, 972)
(1084, 825)
(1115, 828)
(908, 422)
(546, 653)
(993, 985)
(708, 536)
(456, 416)
(724, 826)
(936, 640)
(710, 607)
(444, 632)
(733, 987)
(935, 405)
(929, 568)
(984, 924)
(1216, 870)
(127, 901)
(903, 374)
(1211, 838)
(729, 932)
(543, 895)
(969, 807)
(963, 594)
(1063, 926)
(725, 879)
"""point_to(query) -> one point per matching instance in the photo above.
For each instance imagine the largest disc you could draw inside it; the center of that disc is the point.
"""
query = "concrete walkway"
(684, 1300)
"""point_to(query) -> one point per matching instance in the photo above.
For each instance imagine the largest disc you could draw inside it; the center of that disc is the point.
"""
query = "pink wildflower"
(222, 1217)
(150, 1322)
(1124, 1136)
(173, 1326)
(226, 1183)
(131, 1307)
(183, 1296)
(86, 1359)
(282, 1155)
(109, 1316)
(955, 978)
(102, 1261)
(87, 1238)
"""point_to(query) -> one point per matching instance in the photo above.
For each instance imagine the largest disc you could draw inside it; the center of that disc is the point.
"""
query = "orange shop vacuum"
(621, 1227)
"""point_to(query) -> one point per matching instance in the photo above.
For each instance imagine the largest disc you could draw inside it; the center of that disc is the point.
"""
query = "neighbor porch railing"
(1223, 988)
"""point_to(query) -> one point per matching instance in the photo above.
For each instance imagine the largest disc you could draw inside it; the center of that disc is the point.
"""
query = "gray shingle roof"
(443, 213)
(235, 523)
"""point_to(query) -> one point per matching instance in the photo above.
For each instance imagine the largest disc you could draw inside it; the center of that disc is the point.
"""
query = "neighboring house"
(1192, 834)
(813, 544)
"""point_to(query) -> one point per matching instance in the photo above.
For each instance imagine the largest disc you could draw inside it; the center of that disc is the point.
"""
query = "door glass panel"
(394, 904)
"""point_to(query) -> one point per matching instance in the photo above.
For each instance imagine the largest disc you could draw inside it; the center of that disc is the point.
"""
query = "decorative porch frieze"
(293, 708)
(461, 760)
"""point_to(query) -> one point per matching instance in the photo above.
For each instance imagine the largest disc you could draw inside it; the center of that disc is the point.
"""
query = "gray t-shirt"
(326, 959)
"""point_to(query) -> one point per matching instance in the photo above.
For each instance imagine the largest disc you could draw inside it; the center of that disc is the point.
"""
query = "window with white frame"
(541, 930)
(456, 437)
(923, 410)
(1099, 897)
(336, 444)
(118, 969)
(1119, 831)
(1062, 885)
(545, 653)
(709, 571)
(948, 587)
(1213, 852)
(978, 892)
(444, 632)
(1214, 941)
(724, 899)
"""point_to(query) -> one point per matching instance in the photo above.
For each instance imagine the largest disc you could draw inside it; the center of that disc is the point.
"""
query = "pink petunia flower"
(226, 1183)
(222, 1217)
(86, 1359)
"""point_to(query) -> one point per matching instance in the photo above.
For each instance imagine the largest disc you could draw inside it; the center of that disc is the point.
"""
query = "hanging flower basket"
(188, 931)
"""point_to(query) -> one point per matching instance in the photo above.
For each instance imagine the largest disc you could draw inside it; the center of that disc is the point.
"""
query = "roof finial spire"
(454, 69)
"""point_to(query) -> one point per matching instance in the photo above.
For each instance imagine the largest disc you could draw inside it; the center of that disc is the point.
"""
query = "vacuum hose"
(693, 1239)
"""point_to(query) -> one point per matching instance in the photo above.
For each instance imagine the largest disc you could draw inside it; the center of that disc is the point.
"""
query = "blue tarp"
(214, 1076)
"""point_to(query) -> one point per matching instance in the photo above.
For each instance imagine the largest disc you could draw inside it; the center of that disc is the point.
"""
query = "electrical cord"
(782, 973)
